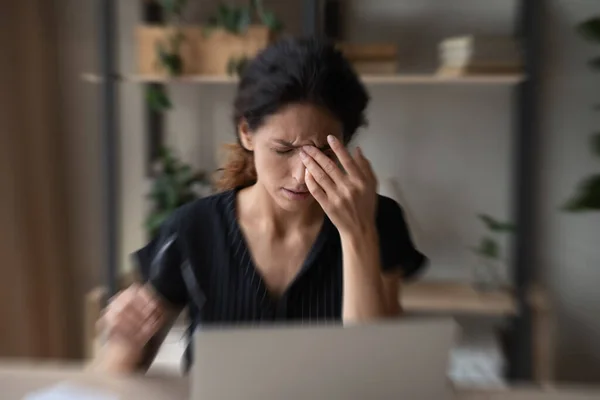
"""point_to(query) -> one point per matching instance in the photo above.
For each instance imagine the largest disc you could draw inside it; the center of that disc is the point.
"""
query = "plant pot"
(216, 48)
(148, 37)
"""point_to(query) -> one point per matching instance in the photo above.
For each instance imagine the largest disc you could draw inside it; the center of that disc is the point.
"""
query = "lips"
(301, 192)
(298, 194)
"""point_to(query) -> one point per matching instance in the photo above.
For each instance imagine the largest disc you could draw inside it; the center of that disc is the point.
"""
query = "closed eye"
(282, 151)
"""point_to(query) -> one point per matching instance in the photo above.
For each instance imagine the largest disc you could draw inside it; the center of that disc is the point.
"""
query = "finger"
(348, 163)
(326, 163)
(100, 325)
(137, 331)
(124, 323)
(364, 165)
(321, 177)
(126, 315)
(313, 187)
(147, 303)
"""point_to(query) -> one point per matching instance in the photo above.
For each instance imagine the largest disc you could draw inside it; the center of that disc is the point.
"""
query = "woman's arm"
(349, 198)
(368, 294)
(136, 324)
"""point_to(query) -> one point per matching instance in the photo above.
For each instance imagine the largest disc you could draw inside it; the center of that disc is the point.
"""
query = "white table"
(20, 378)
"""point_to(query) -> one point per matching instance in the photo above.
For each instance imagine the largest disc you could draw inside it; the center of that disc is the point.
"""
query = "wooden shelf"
(401, 79)
(462, 298)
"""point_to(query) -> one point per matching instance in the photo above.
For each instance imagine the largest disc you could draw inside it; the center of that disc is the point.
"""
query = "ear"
(245, 136)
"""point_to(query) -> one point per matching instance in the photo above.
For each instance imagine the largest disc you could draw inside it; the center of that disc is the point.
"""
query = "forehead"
(301, 124)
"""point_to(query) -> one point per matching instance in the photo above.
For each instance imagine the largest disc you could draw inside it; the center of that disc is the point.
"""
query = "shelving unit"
(400, 79)
(461, 298)
(519, 304)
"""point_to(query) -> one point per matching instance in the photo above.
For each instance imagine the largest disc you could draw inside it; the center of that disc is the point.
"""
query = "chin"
(293, 201)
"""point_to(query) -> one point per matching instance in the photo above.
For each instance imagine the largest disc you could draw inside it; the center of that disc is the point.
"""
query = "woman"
(297, 232)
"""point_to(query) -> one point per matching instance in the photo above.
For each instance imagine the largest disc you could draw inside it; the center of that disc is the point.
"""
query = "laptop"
(401, 359)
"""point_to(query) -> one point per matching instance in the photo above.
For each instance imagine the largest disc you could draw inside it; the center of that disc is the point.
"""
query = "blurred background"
(481, 127)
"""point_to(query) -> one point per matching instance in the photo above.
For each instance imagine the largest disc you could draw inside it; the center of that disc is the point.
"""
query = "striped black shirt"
(200, 259)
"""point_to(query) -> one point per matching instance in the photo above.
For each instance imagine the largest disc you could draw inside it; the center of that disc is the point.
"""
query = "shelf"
(462, 298)
(401, 79)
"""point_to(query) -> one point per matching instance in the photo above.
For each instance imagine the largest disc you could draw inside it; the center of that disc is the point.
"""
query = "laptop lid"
(402, 359)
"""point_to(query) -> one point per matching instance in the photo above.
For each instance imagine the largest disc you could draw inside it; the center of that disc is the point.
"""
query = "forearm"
(117, 356)
(364, 298)
(120, 355)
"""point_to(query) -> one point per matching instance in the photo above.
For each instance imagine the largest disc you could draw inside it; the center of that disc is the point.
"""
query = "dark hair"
(293, 70)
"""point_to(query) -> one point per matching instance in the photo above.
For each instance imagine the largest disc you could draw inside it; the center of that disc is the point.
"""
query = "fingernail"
(359, 150)
(303, 154)
(331, 139)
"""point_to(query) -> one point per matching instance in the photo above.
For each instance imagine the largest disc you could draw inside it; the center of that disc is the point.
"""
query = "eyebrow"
(288, 144)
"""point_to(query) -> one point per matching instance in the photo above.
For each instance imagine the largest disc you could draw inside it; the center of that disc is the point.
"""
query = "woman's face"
(277, 144)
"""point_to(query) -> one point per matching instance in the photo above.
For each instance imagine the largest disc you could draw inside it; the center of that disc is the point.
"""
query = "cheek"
(272, 166)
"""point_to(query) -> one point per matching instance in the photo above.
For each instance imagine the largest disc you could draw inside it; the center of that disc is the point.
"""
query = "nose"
(298, 170)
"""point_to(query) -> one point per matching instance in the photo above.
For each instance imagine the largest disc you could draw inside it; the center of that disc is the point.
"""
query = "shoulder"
(388, 212)
(201, 212)
(386, 204)
(390, 218)
(194, 223)
(397, 247)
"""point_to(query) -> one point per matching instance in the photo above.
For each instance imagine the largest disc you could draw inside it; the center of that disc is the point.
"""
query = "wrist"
(360, 235)
(362, 246)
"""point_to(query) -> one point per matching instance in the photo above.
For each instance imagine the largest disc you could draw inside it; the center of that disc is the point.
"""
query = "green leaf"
(225, 17)
(594, 63)
(244, 20)
(257, 6)
(237, 19)
(590, 29)
(586, 197)
(155, 220)
(271, 21)
(235, 66)
(172, 186)
(595, 144)
(173, 8)
(167, 5)
(495, 225)
(489, 248)
(157, 99)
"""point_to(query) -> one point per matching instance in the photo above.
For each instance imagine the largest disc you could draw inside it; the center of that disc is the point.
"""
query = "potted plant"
(168, 49)
(174, 184)
(486, 273)
(587, 195)
(234, 35)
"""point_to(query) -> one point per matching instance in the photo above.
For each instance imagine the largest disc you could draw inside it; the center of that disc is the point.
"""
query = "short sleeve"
(396, 246)
(159, 263)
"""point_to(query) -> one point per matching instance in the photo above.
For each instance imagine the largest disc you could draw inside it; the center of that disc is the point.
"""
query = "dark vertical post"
(332, 19)
(526, 144)
(107, 29)
(153, 120)
(310, 26)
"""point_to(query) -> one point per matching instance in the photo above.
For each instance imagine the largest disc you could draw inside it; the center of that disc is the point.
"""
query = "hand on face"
(348, 198)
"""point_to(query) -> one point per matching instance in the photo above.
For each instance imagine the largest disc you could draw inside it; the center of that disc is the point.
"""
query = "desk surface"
(18, 379)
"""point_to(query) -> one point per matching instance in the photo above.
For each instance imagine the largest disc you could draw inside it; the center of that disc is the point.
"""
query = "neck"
(259, 203)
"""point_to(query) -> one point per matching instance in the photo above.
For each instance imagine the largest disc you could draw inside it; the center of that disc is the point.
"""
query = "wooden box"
(149, 36)
(217, 47)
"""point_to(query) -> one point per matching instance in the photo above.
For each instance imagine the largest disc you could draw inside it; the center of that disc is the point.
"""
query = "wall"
(448, 147)
(79, 102)
(568, 249)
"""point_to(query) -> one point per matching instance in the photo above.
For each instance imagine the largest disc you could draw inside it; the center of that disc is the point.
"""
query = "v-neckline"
(258, 281)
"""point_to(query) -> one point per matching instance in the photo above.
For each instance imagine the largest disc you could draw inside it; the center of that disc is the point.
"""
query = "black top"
(200, 259)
